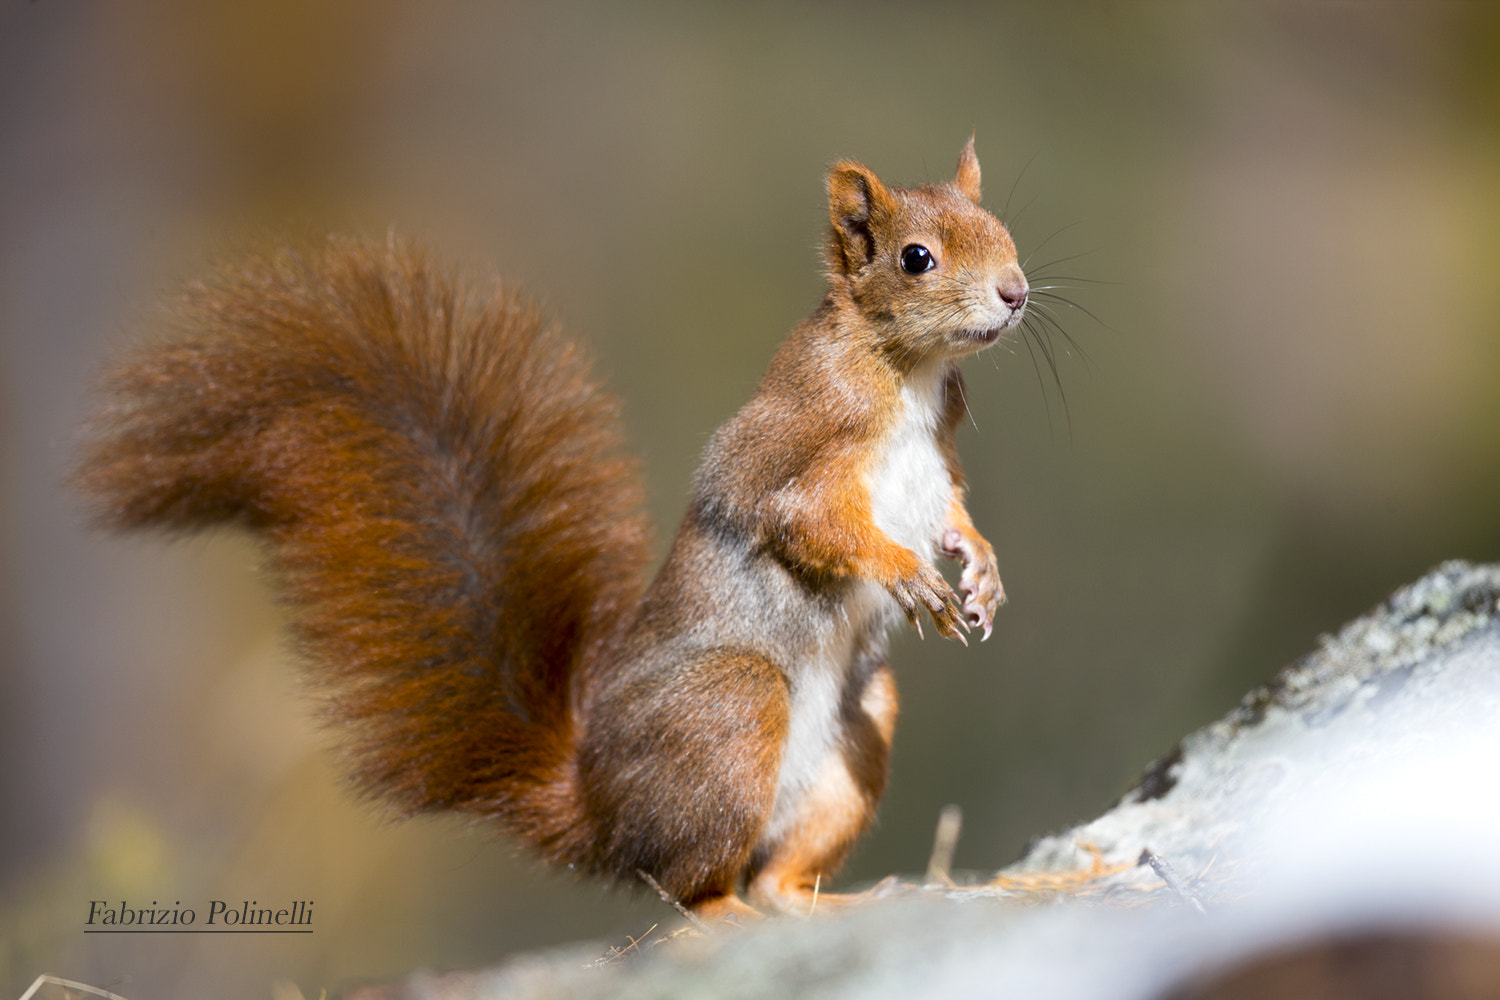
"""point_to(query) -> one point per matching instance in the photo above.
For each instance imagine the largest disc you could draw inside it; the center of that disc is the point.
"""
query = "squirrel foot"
(983, 592)
(728, 910)
(927, 588)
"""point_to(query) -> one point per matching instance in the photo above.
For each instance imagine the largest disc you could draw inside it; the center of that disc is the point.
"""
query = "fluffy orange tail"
(449, 517)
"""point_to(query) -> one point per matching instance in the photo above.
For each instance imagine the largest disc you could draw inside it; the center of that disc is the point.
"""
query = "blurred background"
(1286, 218)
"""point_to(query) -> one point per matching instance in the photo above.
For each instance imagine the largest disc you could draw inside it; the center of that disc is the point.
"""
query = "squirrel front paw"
(980, 583)
(925, 587)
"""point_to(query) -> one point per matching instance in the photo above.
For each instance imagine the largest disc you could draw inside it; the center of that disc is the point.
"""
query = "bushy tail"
(440, 481)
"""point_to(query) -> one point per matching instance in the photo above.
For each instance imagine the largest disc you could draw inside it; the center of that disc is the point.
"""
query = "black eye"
(916, 258)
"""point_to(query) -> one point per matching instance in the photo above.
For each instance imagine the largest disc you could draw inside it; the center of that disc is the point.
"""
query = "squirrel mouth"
(988, 336)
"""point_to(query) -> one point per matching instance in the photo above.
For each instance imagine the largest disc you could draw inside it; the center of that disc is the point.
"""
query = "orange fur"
(454, 553)
(458, 537)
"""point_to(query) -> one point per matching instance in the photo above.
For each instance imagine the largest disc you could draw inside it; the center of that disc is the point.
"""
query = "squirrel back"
(439, 478)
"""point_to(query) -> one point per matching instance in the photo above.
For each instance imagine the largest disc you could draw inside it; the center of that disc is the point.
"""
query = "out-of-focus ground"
(1293, 211)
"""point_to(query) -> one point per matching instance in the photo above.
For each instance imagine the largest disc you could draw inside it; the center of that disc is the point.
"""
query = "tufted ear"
(967, 178)
(856, 200)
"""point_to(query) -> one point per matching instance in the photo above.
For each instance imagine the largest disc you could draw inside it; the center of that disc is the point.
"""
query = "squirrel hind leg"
(677, 771)
(789, 875)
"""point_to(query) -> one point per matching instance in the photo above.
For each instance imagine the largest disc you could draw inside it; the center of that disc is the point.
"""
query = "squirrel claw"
(949, 619)
(976, 615)
(980, 583)
(902, 592)
(927, 588)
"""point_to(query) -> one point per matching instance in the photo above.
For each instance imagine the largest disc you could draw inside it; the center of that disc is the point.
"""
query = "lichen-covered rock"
(1389, 687)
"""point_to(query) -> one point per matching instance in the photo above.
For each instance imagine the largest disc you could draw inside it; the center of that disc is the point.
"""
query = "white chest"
(908, 482)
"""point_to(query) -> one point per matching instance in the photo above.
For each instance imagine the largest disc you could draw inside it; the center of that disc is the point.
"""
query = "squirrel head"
(928, 269)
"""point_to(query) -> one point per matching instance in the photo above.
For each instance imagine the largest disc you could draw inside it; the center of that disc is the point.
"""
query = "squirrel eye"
(916, 258)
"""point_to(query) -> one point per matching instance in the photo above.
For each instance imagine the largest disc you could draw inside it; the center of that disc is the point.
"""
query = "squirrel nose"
(1013, 293)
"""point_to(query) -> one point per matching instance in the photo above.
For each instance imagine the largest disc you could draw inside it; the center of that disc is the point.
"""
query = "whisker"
(1047, 317)
(1026, 336)
(1012, 221)
(1059, 260)
(1036, 271)
(963, 398)
(1074, 305)
(1049, 239)
(1051, 288)
(1005, 212)
(1044, 344)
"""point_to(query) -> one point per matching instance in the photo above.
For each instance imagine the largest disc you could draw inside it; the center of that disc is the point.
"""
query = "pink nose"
(1013, 294)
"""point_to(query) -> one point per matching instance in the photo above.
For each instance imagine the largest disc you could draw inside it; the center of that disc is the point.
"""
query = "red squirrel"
(461, 543)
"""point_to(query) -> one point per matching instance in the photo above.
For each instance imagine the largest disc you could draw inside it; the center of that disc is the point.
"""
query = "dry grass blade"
(69, 985)
(944, 843)
(671, 901)
(1059, 881)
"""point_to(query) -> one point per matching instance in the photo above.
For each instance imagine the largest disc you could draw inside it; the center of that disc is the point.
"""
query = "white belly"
(910, 494)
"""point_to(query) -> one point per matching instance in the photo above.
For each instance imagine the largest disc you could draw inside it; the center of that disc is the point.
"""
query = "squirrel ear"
(967, 178)
(856, 198)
